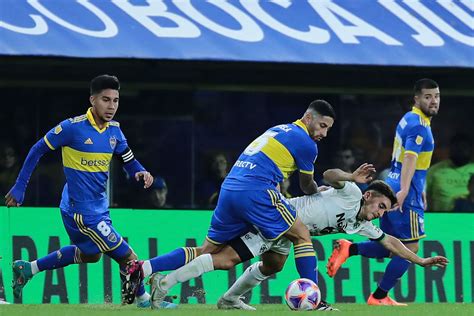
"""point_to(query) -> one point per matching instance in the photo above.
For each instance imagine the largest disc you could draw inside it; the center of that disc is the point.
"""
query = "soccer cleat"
(325, 307)
(224, 303)
(338, 257)
(21, 275)
(144, 304)
(131, 281)
(168, 305)
(158, 294)
(164, 305)
(387, 301)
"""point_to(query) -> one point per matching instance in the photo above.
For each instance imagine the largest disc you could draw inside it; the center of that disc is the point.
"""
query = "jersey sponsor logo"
(245, 164)
(393, 175)
(341, 225)
(94, 162)
(418, 140)
(58, 129)
(88, 141)
(113, 142)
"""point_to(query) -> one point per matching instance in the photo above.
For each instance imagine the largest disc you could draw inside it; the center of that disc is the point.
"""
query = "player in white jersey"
(340, 209)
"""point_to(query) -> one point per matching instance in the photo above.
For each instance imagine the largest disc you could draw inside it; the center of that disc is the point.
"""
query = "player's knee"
(298, 233)
(90, 258)
(199, 251)
(413, 246)
(207, 247)
(225, 262)
(269, 269)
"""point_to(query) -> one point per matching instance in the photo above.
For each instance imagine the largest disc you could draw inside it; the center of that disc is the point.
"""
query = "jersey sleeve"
(122, 144)
(415, 138)
(350, 191)
(60, 135)
(305, 157)
(369, 230)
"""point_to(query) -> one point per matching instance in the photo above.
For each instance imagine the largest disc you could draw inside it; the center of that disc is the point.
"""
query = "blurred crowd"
(191, 150)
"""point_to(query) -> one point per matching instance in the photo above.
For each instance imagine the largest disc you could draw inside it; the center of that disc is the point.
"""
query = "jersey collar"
(423, 116)
(91, 120)
(301, 124)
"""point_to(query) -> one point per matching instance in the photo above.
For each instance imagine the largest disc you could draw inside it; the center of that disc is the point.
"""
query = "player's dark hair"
(384, 189)
(103, 82)
(424, 84)
(322, 108)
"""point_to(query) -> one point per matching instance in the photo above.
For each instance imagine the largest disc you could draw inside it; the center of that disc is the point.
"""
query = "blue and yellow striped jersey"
(86, 154)
(272, 157)
(413, 135)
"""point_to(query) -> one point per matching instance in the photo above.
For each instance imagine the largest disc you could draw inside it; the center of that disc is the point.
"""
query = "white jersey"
(329, 212)
(334, 211)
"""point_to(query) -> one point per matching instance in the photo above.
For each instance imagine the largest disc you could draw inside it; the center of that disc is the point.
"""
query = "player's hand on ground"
(147, 178)
(438, 261)
(364, 173)
(401, 196)
(10, 200)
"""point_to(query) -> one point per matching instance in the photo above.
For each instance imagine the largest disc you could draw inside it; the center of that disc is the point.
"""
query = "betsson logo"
(94, 162)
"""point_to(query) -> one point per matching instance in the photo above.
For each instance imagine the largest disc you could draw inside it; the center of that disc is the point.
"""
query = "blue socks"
(173, 260)
(394, 271)
(395, 268)
(306, 262)
(57, 259)
(372, 249)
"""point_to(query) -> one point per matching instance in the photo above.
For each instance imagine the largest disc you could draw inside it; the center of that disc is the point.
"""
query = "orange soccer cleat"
(387, 301)
(338, 257)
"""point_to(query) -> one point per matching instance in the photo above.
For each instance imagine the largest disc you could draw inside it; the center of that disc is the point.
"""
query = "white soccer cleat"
(223, 303)
(158, 294)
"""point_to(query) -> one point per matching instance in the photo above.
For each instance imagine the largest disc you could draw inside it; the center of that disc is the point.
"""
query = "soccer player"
(249, 198)
(341, 209)
(87, 143)
(412, 151)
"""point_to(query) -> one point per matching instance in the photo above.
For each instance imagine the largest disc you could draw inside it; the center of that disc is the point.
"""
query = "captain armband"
(127, 155)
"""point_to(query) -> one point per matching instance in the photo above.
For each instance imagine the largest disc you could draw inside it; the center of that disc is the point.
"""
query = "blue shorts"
(94, 234)
(237, 212)
(407, 226)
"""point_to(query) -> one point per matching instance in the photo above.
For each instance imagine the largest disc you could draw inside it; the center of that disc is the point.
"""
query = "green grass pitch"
(211, 310)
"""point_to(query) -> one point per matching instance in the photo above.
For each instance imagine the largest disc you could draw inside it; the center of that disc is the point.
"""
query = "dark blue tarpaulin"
(437, 33)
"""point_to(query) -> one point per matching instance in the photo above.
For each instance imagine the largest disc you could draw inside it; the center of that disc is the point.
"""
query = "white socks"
(143, 298)
(147, 270)
(34, 267)
(251, 277)
(195, 268)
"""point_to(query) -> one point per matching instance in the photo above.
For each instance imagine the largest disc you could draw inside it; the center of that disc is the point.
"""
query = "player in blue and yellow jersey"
(412, 151)
(250, 200)
(88, 143)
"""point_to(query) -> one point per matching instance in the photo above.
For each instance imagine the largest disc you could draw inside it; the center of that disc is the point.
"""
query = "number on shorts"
(103, 228)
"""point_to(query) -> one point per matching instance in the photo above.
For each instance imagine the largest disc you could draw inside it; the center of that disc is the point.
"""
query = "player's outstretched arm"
(15, 196)
(398, 248)
(337, 177)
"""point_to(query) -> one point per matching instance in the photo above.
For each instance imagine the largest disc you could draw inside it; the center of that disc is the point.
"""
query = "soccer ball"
(302, 295)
